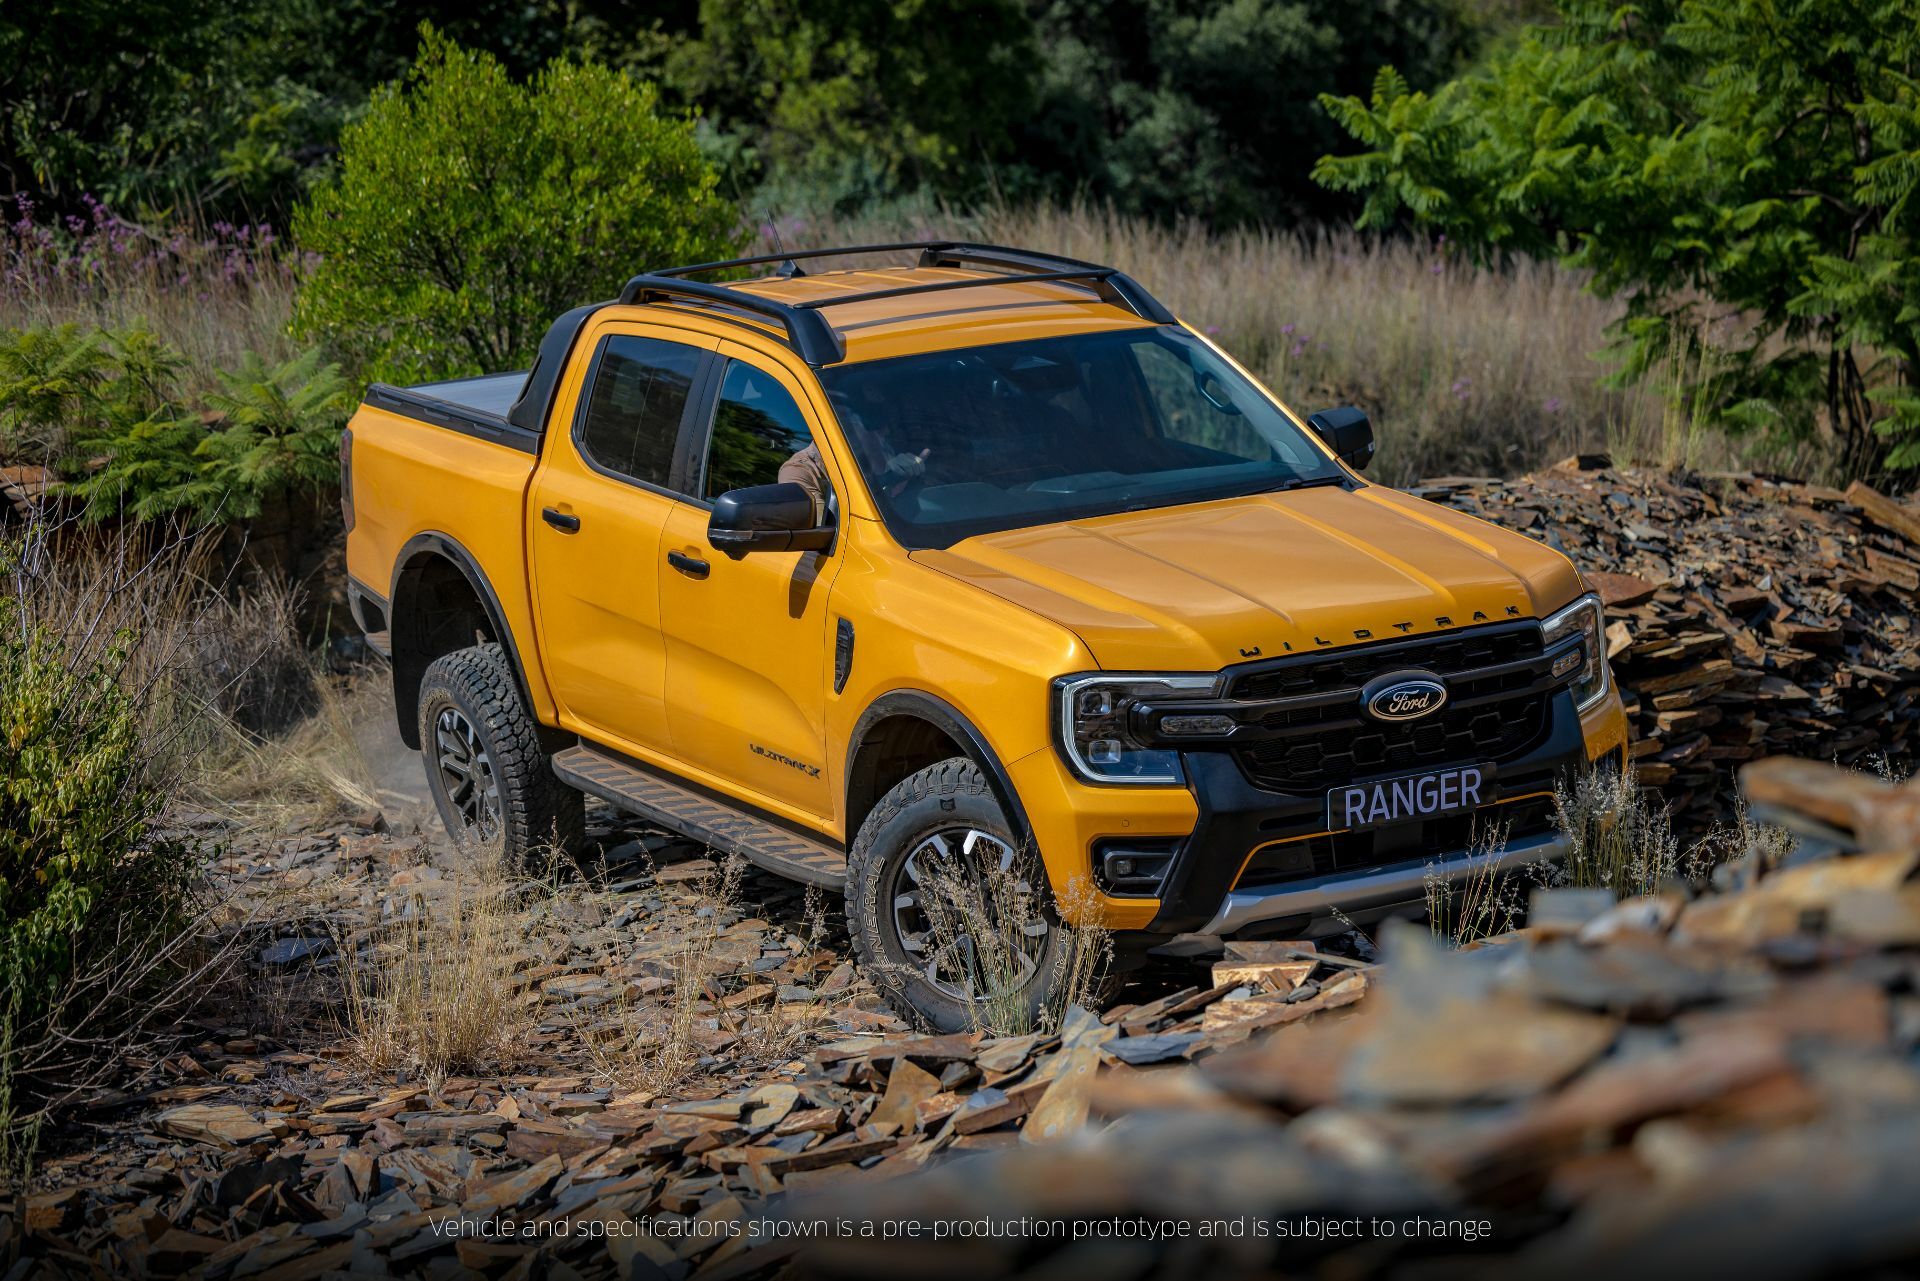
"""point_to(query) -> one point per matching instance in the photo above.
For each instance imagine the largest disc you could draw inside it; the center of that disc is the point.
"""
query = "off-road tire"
(541, 818)
(951, 793)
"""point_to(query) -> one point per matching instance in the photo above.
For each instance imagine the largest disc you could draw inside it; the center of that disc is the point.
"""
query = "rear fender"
(425, 625)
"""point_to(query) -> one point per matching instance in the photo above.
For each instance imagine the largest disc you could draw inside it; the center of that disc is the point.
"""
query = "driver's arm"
(807, 470)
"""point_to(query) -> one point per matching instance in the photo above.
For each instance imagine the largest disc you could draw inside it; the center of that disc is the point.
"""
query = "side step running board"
(727, 828)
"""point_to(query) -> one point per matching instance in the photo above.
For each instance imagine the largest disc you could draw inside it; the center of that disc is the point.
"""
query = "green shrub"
(110, 410)
(470, 210)
(91, 906)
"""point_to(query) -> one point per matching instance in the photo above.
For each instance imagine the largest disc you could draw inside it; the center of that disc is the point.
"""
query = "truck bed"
(473, 406)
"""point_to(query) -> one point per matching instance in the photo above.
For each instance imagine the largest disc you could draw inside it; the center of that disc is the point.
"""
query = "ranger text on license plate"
(1417, 796)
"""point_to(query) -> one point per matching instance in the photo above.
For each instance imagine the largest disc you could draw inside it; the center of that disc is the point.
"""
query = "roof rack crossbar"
(1097, 276)
(812, 337)
(1115, 286)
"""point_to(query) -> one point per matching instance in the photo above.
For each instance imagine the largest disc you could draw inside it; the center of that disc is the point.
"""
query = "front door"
(748, 639)
(606, 482)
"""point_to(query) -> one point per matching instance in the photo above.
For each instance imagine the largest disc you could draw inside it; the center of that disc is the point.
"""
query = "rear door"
(612, 470)
(747, 640)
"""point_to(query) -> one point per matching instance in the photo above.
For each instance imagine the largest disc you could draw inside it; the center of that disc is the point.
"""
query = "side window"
(632, 419)
(756, 428)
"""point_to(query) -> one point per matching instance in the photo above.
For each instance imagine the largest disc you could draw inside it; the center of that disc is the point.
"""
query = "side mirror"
(1347, 433)
(766, 518)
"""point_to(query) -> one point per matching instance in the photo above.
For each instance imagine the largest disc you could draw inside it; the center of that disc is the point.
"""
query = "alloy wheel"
(466, 773)
(967, 915)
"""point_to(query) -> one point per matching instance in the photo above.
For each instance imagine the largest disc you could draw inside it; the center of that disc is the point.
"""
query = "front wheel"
(491, 781)
(950, 915)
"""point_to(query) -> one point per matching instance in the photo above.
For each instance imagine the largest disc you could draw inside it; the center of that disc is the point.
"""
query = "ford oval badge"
(1404, 696)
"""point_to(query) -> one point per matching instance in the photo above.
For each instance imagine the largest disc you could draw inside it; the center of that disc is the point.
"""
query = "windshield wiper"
(1310, 482)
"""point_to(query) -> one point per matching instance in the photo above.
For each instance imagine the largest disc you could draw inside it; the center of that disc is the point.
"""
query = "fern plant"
(50, 379)
(280, 435)
(109, 409)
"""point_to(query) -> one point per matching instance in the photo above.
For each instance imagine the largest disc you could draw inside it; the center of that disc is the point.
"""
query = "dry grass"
(777, 1031)
(432, 991)
(1465, 369)
(1085, 963)
(1741, 836)
(1489, 901)
(235, 711)
(1618, 838)
(312, 774)
(646, 1037)
(143, 595)
(212, 296)
(1023, 964)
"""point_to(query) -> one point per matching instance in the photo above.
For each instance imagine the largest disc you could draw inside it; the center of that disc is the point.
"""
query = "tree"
(1744, 171)
(861, 99)
(234, 110)
(96, 92)
(471, 209)
(1208, 110)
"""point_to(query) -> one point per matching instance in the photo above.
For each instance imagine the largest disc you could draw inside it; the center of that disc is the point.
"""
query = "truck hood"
(1203, 586)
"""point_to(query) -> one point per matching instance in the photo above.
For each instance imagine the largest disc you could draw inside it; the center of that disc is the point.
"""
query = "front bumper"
(1362, 889)
(1220, 821)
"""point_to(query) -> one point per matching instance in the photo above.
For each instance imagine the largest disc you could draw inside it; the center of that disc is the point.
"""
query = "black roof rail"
(808, 331)
(757, 260)
(817, 342)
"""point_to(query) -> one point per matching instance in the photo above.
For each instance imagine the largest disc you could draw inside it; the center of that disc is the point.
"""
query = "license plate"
(1435, 794)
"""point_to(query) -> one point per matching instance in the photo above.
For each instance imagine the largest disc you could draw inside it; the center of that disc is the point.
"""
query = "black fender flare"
(421, 547)
(943, 716)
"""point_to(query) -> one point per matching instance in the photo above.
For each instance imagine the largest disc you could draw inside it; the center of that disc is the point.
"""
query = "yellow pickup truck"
(983, 561)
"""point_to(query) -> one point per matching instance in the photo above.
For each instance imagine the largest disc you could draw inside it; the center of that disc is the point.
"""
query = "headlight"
(1583, 619)
(1093, 716)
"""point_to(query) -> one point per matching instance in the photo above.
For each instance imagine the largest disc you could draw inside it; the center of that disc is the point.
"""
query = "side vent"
(842, 655)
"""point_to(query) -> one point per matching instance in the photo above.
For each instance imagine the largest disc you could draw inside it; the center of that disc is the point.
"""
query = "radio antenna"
(788, 269)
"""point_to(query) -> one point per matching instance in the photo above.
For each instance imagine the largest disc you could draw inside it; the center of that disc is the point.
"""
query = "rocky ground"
(1729, 1076)
(1749, 616)
(666, 1066)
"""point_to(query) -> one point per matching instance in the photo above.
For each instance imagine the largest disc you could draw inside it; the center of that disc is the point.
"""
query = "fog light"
(1122, 867)
(1196, 726)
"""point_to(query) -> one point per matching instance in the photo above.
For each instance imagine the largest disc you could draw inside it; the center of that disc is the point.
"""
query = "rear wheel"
(950, 916)
(491, 780)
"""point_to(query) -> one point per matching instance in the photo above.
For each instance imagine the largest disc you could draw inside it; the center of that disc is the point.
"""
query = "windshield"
(957, 443)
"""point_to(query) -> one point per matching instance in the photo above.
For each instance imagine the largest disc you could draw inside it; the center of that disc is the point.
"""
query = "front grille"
(1497, 704)
(1357, 851)
(1490, 732)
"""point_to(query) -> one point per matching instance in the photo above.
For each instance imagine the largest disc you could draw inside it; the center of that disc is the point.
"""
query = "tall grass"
(1489, 900)
(637, 1043)
(216, 292)
(1464, 369)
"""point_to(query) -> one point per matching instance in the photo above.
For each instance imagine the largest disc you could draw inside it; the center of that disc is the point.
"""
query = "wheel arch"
(889, 742)
(439, 600)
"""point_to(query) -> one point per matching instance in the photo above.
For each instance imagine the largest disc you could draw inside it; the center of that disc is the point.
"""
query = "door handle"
(562, 521)
(691, 566)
